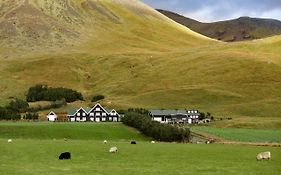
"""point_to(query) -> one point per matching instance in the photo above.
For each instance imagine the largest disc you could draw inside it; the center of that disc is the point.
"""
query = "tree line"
(45, 93)
(156, 130)
(13, 111)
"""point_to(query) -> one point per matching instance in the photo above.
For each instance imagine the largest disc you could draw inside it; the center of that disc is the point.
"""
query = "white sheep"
(113, 150)
(264, 155)
(105, 141)
(152, 141)
(10, 141)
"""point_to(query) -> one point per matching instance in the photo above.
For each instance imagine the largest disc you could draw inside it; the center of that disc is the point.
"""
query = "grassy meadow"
(242, 134)
(39, 154)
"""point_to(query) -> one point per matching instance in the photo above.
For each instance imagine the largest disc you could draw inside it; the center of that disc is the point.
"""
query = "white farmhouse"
(52, 117)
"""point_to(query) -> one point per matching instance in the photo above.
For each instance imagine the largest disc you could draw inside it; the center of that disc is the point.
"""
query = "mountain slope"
(140, 58)
(49, 24)
(240, 29)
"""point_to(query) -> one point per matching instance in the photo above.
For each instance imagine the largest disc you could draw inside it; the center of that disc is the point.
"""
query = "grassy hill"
(241, 29)
(140, 59)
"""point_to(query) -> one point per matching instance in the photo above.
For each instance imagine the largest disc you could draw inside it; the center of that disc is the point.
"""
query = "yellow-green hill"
(138, 58)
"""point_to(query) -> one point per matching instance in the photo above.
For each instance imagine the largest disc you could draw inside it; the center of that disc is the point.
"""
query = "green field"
(242, 135)
(39, 154)
(72, 131)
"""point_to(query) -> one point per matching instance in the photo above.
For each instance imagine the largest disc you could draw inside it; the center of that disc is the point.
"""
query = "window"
(78, 114)
(97, 109)
(103, 114)
(103, 119)
(110, 118)
(84, 114)
(91, 114)
(97, 114)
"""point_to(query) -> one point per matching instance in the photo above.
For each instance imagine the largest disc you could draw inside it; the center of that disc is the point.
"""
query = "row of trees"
(156, 130)
(8, 114)
(45, 93)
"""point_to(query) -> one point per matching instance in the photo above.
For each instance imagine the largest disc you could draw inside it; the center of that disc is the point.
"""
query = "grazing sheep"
(133, 142)
(264, 156)
(10, 141)
(113, 150)
(152, 141)
(65, 155)
(105, 141)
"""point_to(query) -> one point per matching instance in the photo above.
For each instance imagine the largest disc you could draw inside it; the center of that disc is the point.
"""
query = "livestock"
(133, 142)
(65, 155)
(264, 156)
(105, 141)
(10, 141)
(152, 141)
(113, 150)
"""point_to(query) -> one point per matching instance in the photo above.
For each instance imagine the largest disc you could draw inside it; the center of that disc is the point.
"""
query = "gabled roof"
(52, 113)
(99, 106)
(113, 110)
(74, 113)
(167, 112)
(87, 110)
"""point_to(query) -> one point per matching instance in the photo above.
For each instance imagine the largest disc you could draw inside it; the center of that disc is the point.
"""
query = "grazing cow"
(10, 141)
(264, 156)
(133, 142)
(65, 155)
(113, 150)
(105, 141)
(152, 141)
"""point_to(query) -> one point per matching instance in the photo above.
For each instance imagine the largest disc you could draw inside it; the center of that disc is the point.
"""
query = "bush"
(97, 98)
(7, 114)
(18, 105)
(31, 116)
(45, 93)
(158, 131)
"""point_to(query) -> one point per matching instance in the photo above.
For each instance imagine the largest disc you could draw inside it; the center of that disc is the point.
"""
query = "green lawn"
(242, 135)
(35, 151)
(75, 131)
(33, 157)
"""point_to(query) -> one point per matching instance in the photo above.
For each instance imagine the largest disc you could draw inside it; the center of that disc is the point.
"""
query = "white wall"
(52, 118)
(158, 119)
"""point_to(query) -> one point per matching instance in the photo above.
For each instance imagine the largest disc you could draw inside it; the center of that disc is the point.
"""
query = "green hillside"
(144, 60)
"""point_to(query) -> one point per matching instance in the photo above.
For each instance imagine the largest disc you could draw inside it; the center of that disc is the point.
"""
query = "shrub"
(97, 98)
(31, 116)
(158, 131)
(18, 105)
(7, 114)
(45, 93)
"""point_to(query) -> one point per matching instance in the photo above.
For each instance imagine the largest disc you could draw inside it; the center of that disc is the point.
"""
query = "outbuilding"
(52, 116)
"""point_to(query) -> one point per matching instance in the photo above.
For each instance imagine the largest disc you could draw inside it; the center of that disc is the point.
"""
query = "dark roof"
(157, 112)
(167, 112)
(72, 111)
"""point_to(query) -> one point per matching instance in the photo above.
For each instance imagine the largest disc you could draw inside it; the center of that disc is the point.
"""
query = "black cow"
(133, 142)
(65, 155)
